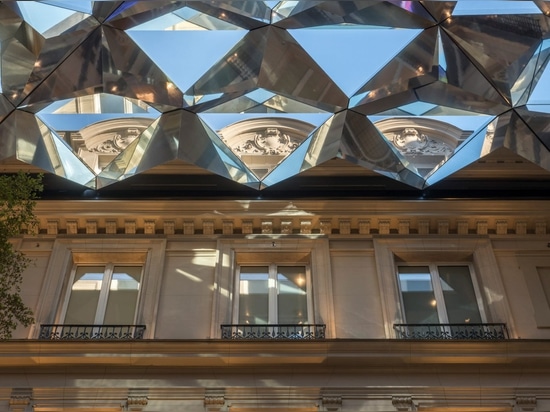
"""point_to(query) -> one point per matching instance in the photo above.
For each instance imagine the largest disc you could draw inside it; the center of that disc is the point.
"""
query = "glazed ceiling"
(259, 92)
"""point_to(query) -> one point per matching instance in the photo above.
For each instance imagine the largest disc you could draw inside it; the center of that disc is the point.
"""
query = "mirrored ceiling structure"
(259, 93)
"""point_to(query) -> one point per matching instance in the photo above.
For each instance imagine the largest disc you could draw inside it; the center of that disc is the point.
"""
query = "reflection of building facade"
(264, 142)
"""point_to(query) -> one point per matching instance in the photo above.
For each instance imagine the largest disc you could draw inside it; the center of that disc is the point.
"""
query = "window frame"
(108, 270)
(66, 252)
(273, 291)
(441, 306)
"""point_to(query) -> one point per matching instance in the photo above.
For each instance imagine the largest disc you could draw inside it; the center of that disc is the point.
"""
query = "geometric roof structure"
(261, 93)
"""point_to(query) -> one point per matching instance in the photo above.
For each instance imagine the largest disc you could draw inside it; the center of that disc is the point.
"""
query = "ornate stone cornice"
(526, 403)
(402, 403)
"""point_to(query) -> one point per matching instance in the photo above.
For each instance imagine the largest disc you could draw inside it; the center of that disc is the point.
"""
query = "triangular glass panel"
(507, 132)
(409, 14)
(501, 46)
(289, 70)
(129, 72)
(420, 73)
(189, 45)
(248, 14)
(439, 10)
(364, 145)
(537, 117)
(466, 8)
(427, 135)
(100, 126)
(261, 142)
(352, 56)
(29, 57)
(541, 78)
(262, 101)
(37, 145)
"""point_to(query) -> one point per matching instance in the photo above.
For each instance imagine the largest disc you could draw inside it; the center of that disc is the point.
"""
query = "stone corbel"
(214, 403)
(332, 403)
(526, 403)
(402, 403)
(136, 403)
(20, 400)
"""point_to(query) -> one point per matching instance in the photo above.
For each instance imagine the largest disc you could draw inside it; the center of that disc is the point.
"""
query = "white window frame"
(62, 261)
(438, 290)
(108, 269)
(272, 291)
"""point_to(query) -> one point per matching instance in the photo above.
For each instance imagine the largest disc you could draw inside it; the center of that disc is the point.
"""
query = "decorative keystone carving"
(137, 403)
(267, 227)
(521, 228)
(540, 228)
(332, 403)
(526, 403)
(402, 403)
(286, 227)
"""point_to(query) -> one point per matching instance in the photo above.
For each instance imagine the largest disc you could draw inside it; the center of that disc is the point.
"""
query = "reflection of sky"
(352, 56)
(492, 7)
(34, 14)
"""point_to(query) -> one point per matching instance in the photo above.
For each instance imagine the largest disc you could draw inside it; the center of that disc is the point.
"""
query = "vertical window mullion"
(272, 294)
(104, 294)
(439, 297)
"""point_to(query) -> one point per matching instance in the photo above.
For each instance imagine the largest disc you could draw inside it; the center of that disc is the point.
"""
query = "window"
(103, 295)
(273, 294)
(439, 294)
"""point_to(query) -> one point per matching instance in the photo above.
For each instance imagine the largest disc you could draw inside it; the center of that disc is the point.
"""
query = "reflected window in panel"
(439, 294)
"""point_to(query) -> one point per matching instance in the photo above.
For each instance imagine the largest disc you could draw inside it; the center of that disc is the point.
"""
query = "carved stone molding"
(20, 399)
(526, 403)
(332, 403)
(402, 403)
(213, 403)
(136, 403)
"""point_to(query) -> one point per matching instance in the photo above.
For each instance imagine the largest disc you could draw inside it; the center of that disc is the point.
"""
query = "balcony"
(91, 332)
(452, 331)
(273, 332)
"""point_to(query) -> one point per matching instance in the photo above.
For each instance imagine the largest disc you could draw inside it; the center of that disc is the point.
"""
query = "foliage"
(18, 194)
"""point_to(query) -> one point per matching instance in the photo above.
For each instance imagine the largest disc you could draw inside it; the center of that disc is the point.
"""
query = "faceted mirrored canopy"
(263, 92)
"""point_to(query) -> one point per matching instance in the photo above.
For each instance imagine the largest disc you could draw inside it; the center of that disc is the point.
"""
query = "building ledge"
(319, 355)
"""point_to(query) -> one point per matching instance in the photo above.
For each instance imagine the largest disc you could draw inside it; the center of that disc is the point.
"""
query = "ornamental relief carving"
(411, 141)
(270, 141)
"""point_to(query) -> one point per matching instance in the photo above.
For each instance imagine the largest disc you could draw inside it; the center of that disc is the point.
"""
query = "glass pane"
(123, 295)
(458, 291)
(419, 301)
(84, 298)
(253, 295)
(292, 295)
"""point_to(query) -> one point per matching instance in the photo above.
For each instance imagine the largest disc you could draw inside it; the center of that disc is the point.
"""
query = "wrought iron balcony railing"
(452, 331)
(277, 332)
(91, 332)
